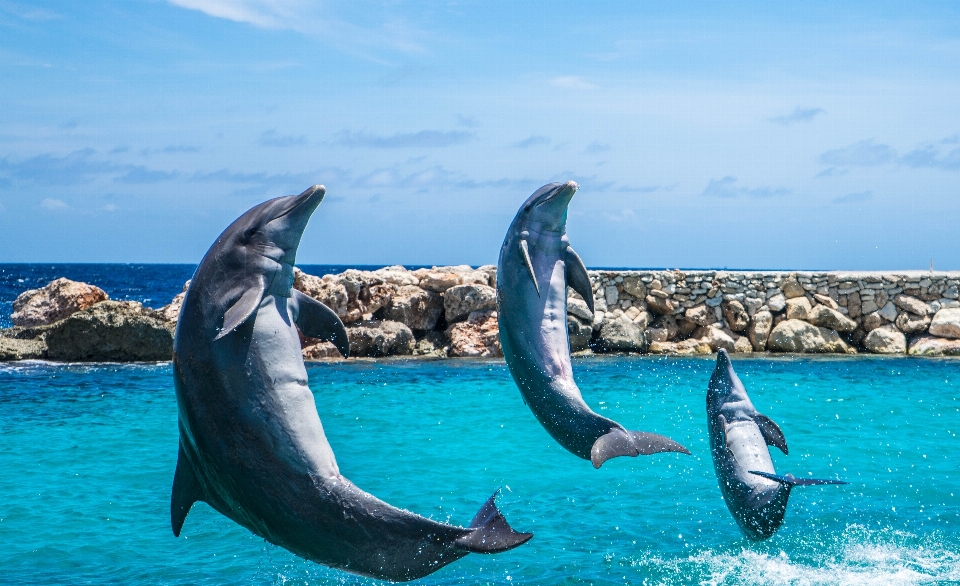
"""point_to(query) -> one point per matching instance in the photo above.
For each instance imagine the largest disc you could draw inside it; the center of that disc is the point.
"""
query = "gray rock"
(798, 308)
(912, 324)
(620, 335)
(946, 324)
(17, 349)
(736, 315)
(418, 308)
(634, 287)
(871, 322)
(667, 323)
(854, 309)
(932, 346)
(478, 336)
(700, 315)
(888, 311)
(432, 344)
(380, 338)
(580, 332)
(794, 335)
(759, 330)
(826, 300)
(823, 316)
(714, 337)
(661, 306)
(579, 308)
(912, 304)
(54, 301)
(320, 350)
(777, 303)
(791, 288)
(886, 340)
(742, 345)
(462, 300)
(752, 304)
(683, 348)
(111, 331)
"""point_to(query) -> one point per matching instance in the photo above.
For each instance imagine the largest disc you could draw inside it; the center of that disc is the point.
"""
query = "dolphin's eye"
(248, 234)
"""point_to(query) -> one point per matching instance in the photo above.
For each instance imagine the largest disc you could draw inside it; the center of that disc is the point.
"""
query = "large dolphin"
(739, 436)
(251, 442)
(536, 265)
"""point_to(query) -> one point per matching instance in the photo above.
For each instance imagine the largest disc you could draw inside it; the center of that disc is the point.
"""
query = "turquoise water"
(87, 456)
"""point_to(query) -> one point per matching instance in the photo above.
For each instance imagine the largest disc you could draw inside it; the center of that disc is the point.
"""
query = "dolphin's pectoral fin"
(241, 311)
(771, 432)
(316, 320)
(577, 277)
(621, 442)
(791, 480)
(490, 532)
(186, 491)
(526, 258)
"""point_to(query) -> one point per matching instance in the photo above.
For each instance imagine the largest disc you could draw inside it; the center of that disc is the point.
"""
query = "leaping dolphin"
(739, 436)
(536, 265)
(251, 442)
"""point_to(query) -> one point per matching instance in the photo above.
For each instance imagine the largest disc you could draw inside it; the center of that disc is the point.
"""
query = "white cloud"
(572, 82)
(263, 13)
(54, 205)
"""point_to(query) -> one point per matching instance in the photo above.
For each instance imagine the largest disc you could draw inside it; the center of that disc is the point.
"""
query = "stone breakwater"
(451, 312)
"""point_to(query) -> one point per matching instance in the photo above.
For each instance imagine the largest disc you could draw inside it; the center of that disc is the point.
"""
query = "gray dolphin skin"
(251, 442)
(536, 265)
(755, 494)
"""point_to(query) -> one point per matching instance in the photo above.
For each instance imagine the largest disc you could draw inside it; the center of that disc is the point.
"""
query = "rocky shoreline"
(451, 312)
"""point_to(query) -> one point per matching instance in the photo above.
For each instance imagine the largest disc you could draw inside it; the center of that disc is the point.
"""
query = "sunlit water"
(87, 456)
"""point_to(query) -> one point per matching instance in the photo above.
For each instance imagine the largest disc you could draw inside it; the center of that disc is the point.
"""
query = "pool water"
(87, 454)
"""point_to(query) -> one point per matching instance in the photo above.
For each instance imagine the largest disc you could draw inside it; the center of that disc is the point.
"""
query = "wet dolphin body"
(536, 266)
(739, 436)
(251, 442)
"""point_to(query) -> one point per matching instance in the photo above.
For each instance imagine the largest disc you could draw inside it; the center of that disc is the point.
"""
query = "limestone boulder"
(689, 347)
(798, 308)
(742, 345)
(759, 330)
(432, 343)
(826, 300)
(794, 335)
(418, 308)
(351, 295)
(933, 346)
(621, 335)
(321, 350)
(777, 303)
(440, 281)
(578, 308)
(871, 321)
(634, 287)
(946, 324)
(397, 275)
(736, 315)
(462, 300)
(823, 316)
(700, 315)
(715, 338)
(912, 304)
(478, 336)
(660, 305)
(380, 338)
(791, 288)
(912, 324)
(21, 349)
(54, 301)
(327, 290)
(171, 311)
(886, 340)
(580, 332)
(668, 324)
(111, 331)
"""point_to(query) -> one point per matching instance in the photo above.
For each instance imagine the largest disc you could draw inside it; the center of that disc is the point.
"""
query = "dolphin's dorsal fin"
(577, 277)
(771, 432)
(526, 258)
(316, 320)
(186, 491)
(242, 309)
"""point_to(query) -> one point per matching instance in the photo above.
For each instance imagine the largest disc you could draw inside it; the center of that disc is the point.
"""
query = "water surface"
(87, 454)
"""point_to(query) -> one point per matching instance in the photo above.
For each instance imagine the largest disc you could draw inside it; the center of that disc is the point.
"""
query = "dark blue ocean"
(87, 454)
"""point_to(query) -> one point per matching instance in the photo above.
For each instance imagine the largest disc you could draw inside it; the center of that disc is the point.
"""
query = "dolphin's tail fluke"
(186, 491)
(791, 480)
(490, 532)
(622, 442)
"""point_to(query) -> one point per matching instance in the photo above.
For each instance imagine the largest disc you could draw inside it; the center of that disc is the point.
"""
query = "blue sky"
(716, 134)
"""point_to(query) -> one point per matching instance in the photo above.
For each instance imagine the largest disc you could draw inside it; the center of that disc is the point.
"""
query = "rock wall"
(451, 311)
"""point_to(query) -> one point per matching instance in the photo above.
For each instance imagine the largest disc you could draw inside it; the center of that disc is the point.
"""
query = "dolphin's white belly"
(280, 403)
(749, 450)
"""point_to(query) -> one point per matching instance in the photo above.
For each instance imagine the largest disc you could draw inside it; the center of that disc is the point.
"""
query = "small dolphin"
(251, 442)
(739, 436)
(536, 265)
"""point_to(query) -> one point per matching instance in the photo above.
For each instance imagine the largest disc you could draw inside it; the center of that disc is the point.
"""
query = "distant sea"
(154, 285)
